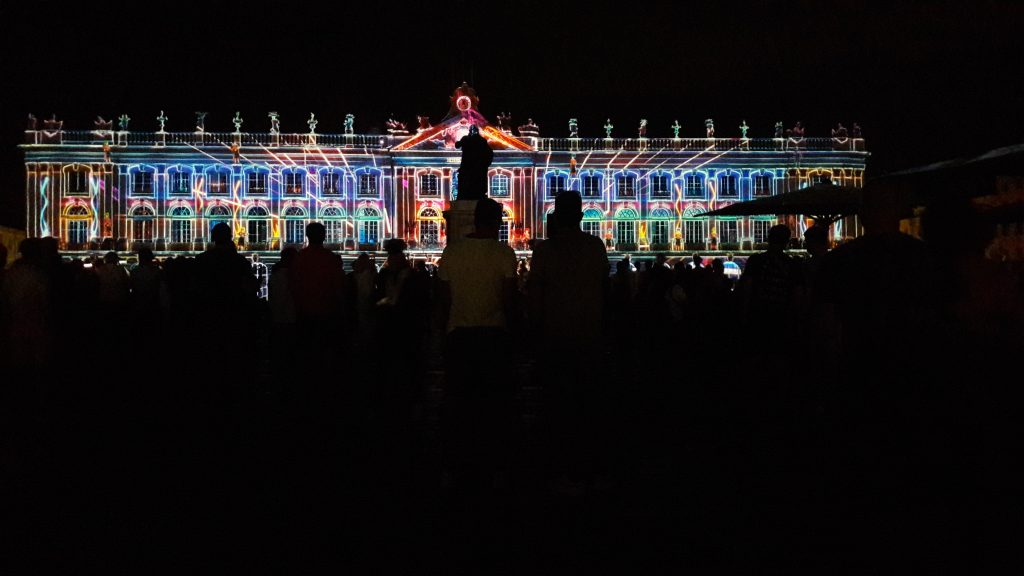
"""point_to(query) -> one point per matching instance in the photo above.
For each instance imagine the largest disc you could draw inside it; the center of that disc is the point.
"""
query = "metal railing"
(383, 142)
(128, 138)
(694, 144)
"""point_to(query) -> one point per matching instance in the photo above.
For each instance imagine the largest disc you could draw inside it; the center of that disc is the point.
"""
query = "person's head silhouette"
(221, 234)
(487, 218)
(778, 237)
(316, 233)
(145, 256)
(568, 209)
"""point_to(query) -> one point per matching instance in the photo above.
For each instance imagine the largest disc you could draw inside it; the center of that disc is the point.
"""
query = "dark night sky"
(926, 81)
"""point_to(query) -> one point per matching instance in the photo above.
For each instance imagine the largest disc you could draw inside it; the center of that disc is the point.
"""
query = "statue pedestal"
(459, 220)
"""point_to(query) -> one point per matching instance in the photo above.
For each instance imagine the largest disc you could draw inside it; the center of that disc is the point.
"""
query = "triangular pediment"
(461, 116)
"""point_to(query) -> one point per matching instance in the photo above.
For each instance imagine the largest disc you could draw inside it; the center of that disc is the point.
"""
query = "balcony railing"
(694, 144)
(383, 142)
(118, 138)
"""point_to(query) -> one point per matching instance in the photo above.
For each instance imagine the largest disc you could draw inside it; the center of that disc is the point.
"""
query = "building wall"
(85, 193)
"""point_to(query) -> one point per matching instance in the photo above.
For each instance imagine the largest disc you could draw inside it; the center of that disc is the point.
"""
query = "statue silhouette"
(476, 158)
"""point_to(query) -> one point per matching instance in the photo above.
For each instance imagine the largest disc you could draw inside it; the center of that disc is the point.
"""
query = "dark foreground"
(144, 466)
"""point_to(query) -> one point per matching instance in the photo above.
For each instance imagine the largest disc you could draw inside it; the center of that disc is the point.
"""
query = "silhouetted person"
(768, 293)
(478, 283)
(148, 289)
(317, 280)
(401, 308)
(883, 289)
(566, 293)
(283, 319)
(225, 295)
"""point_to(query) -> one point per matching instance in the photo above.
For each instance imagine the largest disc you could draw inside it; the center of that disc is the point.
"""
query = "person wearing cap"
(566, 291)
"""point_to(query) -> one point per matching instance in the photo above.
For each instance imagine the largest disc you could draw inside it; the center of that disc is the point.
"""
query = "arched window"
(660, 226)
(591, 224)
(181, 224)
(294, 224)
(217, 214)
(625, 228)
(695, 230)
(368, 228)
(257, 226)
(334, 222)
(501, 186)
(430, 227)
(78, 218)
(141, 223)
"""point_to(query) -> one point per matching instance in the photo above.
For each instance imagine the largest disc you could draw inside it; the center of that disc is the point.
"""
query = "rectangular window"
(180, 183)
(503, 231)
(556, 185)
(500, 186)
(142, 184)
(181, 231)
(293, 182)
(368, 230)
(592, 227)
(729, 231)
(694, 234)
(625, 232)
(430, 231)
(430, 185)
(257, 184)
(762, 185)
(330, 184)
(368, 185)
(661, 186)
(294, 231)
(591, 186)
(257, 232)
(759, 230)
(626, 186)
(729, 187)
(694, 186)
(219, 184)
(78, 232)
(335, 231)
(77, 182)
(659, 232)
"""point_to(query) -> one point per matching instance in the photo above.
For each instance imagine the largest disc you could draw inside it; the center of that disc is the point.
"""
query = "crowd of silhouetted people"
(823, 409)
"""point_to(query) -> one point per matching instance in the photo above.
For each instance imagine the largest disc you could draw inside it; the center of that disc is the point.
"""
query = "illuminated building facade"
(113, 187)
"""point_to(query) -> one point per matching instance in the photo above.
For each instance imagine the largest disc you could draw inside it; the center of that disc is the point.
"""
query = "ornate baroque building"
(168, 189)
